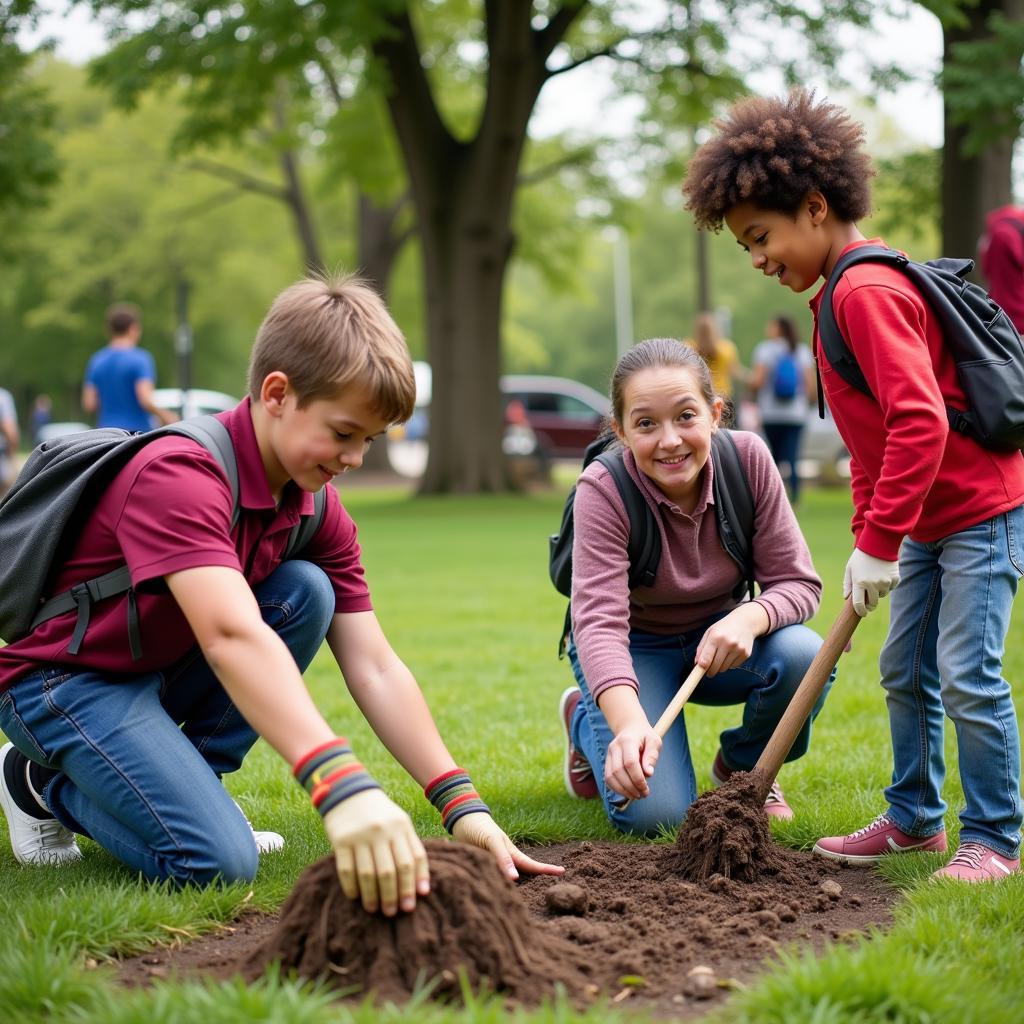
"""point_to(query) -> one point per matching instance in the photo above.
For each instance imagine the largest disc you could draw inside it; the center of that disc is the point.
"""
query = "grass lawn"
(461, 588)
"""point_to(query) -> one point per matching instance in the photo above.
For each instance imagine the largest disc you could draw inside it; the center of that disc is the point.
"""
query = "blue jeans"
(784, 441)
(764, 684)
(140, 757)
(947, 631)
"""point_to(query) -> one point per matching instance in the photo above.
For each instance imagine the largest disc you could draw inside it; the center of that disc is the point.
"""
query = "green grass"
(460, 586)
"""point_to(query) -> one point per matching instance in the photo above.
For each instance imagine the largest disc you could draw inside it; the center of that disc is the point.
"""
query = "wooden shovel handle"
(806, 696)
(675, 705)
(668, 716)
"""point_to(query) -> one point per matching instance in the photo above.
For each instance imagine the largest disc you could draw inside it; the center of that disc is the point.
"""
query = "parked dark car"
(564, 414)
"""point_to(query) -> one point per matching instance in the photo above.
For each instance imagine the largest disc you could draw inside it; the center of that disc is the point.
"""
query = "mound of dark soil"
(726, 833)
(621, 923)
(473, 923)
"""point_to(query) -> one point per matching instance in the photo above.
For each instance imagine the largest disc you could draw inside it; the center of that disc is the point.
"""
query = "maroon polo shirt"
(169, 509)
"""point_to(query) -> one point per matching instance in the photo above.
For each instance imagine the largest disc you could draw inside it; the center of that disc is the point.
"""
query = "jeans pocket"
(1013, 521)
(17, 731)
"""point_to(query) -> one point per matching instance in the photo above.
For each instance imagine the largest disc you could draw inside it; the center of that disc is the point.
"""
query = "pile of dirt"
(726, 833)
(473, 924)
(621, 923)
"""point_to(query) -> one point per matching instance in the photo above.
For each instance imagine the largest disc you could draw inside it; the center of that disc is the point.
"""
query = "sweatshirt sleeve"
(790, 588)
(600, 583)
(885, 328)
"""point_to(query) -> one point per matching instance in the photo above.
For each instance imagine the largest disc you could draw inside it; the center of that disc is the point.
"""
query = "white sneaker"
(35, 840)
(266, 842)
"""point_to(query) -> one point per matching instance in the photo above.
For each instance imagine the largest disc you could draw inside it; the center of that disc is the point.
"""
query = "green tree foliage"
(28, 163)
(125, 223)
(462, 148)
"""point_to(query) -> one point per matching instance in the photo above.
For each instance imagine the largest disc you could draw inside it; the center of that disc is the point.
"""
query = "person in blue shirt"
(120, 377)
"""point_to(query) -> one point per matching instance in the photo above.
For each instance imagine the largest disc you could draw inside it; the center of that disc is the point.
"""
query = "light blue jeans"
(948, 621)
(141, 757)
(764, 684)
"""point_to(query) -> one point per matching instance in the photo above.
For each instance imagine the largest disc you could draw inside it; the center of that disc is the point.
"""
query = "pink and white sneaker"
(877, 840)
(576, 771)
(775, 805)
(976, 863)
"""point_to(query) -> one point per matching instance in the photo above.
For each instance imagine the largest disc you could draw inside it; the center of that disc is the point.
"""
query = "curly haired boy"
(933, 511)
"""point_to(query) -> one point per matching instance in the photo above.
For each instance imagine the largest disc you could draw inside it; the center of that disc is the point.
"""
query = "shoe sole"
(874, 858)
(10, 809)
(848, 858)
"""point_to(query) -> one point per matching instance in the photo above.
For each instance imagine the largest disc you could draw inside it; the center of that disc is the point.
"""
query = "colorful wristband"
(454, 796)
(330, 773)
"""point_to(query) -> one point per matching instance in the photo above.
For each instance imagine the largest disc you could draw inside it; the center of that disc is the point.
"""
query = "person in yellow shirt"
(719, 353)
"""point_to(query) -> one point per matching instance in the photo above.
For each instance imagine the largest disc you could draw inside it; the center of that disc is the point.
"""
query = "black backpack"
(986, 347)
(42, 513)
(734, 509)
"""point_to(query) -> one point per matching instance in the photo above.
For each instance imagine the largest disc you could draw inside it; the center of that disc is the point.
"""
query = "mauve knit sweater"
(695, 578)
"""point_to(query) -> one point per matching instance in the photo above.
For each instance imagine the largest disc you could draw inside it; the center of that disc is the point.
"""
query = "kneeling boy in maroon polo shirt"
(934, 511)
(130, 750)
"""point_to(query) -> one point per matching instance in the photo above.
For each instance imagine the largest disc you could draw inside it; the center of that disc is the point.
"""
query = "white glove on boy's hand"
(868, 578)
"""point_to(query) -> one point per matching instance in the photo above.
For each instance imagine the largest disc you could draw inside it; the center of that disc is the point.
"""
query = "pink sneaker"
(877, 840)
(775, 805)
(976, 863)
(579, 776)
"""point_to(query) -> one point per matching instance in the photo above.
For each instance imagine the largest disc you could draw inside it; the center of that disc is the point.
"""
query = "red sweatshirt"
(911, 475)
(1002, 260)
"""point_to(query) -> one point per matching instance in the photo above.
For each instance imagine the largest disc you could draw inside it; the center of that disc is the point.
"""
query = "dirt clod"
(566, 898)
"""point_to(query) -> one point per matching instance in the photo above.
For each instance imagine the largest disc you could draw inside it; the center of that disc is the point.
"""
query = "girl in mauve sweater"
(630, 649)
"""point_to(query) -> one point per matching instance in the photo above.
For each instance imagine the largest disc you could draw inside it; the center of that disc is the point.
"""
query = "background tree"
(28, 163)
(983, 110)
(461, 149)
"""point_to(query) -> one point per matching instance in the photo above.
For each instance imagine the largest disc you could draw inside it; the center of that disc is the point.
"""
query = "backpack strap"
(644, 546)
(734, 507)
(838, 353)
(214, 437)
(305, 529)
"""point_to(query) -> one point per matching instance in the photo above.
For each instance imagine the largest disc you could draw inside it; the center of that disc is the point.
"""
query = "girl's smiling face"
(667, 424)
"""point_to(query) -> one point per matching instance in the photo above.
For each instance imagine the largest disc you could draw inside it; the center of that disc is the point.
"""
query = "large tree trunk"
(972, 185)
(463, 193)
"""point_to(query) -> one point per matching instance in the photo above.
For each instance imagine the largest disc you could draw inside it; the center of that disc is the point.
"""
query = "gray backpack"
(41, 515)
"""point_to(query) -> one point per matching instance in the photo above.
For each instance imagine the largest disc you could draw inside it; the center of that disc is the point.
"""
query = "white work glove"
(379, 856)
(868, 578)
(480, 829)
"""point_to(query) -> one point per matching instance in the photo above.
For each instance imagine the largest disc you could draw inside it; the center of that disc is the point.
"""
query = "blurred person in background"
(784, 383)
(1002, 260)
(9, 438)
(719, 353)
(42, 413)
(120, 377)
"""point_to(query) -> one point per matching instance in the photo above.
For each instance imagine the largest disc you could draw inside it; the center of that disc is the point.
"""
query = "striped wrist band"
(454, 795)
(330, 773)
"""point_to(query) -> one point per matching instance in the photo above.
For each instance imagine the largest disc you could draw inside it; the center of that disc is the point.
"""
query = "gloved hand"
(379, 856)
(868, 578)
(480, 829)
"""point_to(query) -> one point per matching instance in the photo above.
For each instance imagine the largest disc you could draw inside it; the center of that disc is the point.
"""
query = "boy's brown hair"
(121, 317)
(327, 333)
(773, 152)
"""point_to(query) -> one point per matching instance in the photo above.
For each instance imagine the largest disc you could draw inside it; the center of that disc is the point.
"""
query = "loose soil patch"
(621, 924)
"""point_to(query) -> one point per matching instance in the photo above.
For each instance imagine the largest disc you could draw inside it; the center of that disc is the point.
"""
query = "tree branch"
(605, 51)
(242, 179)
(541, 173)
(558, 25)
